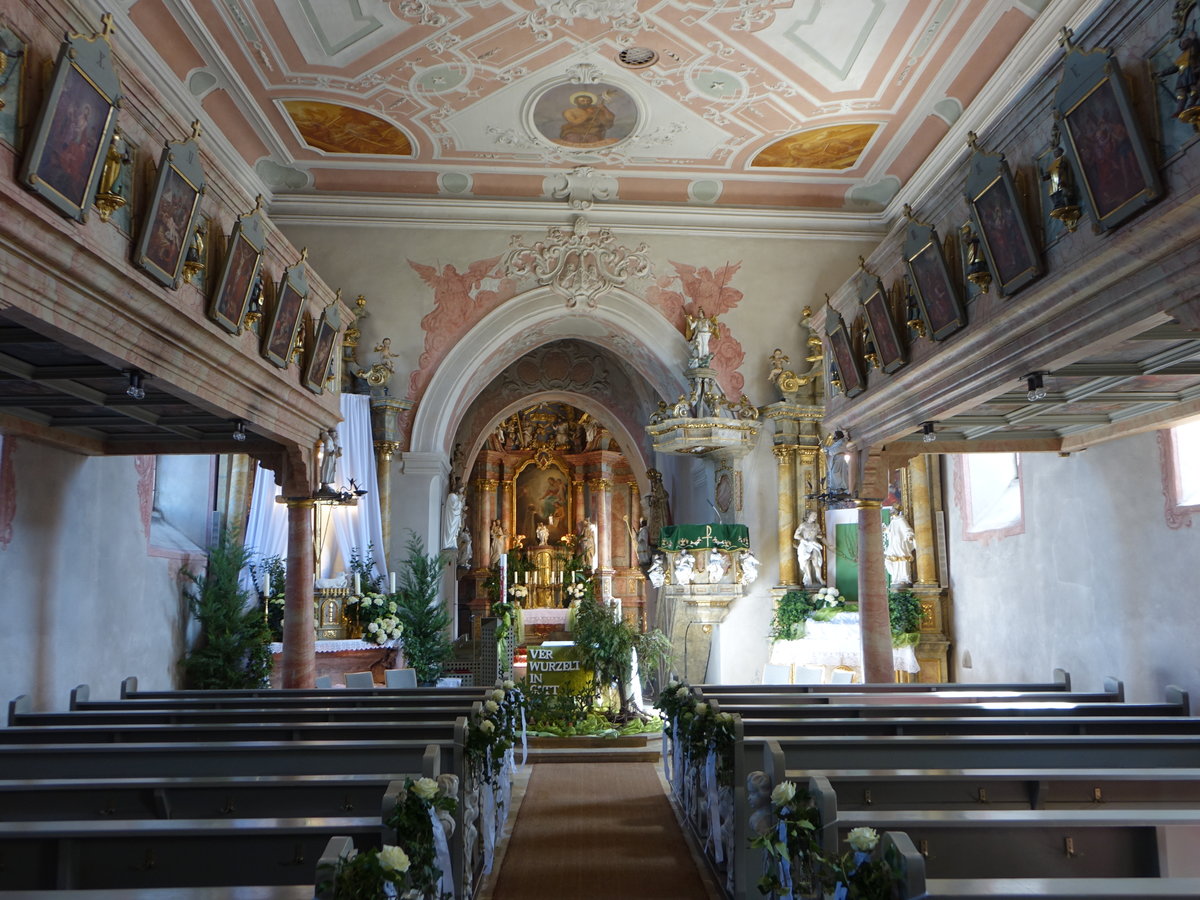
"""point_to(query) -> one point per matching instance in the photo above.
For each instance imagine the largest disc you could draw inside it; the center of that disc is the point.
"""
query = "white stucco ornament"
(581, 187)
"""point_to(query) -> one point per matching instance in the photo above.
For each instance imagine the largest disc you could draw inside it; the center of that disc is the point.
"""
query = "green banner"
(705, 537)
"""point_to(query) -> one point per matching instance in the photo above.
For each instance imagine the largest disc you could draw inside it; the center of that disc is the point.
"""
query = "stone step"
(629, 748)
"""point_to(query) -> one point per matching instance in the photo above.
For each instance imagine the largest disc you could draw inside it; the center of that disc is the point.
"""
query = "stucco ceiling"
(801, 104)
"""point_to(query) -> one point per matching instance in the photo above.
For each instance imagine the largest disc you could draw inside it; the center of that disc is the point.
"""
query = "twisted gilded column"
(874, 621)
(786, 459)
(299, 662)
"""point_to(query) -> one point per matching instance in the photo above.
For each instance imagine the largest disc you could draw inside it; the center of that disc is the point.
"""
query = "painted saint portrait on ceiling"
(585, 116)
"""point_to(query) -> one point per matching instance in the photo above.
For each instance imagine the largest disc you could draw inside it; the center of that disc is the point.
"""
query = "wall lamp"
(1037, 388)
(239, 430)
(135, 389)
(928, 435)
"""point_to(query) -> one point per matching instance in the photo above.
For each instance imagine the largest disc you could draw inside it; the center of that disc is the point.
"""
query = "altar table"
(836, 643)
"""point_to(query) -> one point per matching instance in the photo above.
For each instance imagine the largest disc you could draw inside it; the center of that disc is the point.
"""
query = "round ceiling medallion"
(637, 57)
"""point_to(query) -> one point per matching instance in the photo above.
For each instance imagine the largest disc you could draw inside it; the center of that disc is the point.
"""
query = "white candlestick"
(391, 582)
(357, 584)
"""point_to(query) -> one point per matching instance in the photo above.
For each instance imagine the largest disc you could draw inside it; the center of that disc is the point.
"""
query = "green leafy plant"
(791, 615)
(364, 566)
(904, 610)
(233, 650)
(422, 613)
(606, 644)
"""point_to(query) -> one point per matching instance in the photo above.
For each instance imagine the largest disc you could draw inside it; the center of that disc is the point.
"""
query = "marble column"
(383, 476)
(508, 489)
(299, 662)
(786, 459)
(874, 621)
(485, 493)
(601, 489)
(577, 505)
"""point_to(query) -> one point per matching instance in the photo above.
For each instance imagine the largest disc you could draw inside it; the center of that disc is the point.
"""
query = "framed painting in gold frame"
(74, 127)
(881, 325)
(279, 338)
(170, 219)
(243, 265)
(324, 344)
(934, 288)
(1000, 223)
(1104, 141)
(848, 364)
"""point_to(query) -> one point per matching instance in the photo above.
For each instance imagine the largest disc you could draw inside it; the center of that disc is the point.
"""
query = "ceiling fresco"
(800, 103)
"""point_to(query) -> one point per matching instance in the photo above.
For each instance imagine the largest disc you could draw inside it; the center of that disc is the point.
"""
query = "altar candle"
(391, 582)
(357, 584)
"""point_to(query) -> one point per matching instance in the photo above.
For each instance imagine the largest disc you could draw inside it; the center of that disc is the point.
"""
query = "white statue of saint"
(587, 543)
(716, 566)
(810, 550)
(464, 547)
(543, 534)
(837, 463)
(899, 542)
(748, 563)
(685, 567)
(657, 573)
(700, 330)
(452, 517)
(330, 451)
(499, 540)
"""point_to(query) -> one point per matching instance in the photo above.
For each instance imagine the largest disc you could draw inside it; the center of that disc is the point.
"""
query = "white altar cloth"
(342, 646)
(544, 617)
(836, 643)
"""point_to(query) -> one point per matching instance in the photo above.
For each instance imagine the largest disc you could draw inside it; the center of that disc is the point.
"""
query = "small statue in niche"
(700, 330)
(1187, 82)
(1060, 182)
(543, 534)
(685, 567)
(716, 566)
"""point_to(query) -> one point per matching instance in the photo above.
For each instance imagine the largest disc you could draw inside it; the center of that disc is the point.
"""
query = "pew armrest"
(128, 686)
(1180, 697)
(1063, 677)
(18, 705)
(1113, 685)
(339, 847)
(81, 693)
(906, 863)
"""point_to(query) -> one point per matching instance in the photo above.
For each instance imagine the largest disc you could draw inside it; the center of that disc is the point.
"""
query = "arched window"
(991, 494)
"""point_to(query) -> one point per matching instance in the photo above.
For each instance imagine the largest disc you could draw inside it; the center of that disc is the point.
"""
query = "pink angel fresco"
(704, 288)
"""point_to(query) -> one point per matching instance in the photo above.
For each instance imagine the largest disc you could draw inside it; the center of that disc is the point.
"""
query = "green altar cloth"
(705, 537)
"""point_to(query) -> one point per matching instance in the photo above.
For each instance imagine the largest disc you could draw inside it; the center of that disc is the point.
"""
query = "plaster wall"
(85, 597)
(1097, 584)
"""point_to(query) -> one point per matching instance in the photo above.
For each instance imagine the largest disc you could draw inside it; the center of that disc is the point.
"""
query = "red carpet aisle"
(597, 831)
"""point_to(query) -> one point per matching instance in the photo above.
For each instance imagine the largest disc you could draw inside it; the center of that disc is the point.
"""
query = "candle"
(391, 582)
(357, 584)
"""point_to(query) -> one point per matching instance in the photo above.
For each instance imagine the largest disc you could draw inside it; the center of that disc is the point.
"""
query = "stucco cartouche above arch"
(528, 321)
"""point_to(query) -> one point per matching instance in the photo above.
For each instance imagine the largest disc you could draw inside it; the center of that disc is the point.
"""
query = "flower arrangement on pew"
(492, 733)
(423, 820)
(798, 867)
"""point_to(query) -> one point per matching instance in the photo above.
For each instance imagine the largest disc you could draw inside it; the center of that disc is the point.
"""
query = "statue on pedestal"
(657, 572)
(716, 566)
(748, 564)
(586, 544)
(330, 451)
(498, 545)
(899, 542)
(810, 550)
(453, 511)
(543, 534)
(699, 332)
(685, 567)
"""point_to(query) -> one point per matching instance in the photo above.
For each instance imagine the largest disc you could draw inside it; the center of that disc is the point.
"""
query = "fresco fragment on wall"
(831, 147)
(334, 128)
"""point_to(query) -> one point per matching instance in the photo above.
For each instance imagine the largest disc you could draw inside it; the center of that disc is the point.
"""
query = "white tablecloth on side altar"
(342, 646)
(544, 617)
(836, 643)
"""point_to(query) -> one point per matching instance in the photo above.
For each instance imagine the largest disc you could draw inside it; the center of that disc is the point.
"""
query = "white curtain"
(358, 527)
(266, 529)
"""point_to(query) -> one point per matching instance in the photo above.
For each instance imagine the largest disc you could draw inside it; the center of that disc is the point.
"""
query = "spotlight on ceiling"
(1037, 389)
(928, 435)
(135, 389)
(239, 430)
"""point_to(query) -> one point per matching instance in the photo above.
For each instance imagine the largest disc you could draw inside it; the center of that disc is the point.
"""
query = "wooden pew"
(909, 866)
(971, 725)
(1061, 683)
(757, 695)
(244, 796)
(129, 691)
(188, 731)
(21, 713)
(135, 853)
(80, 699)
